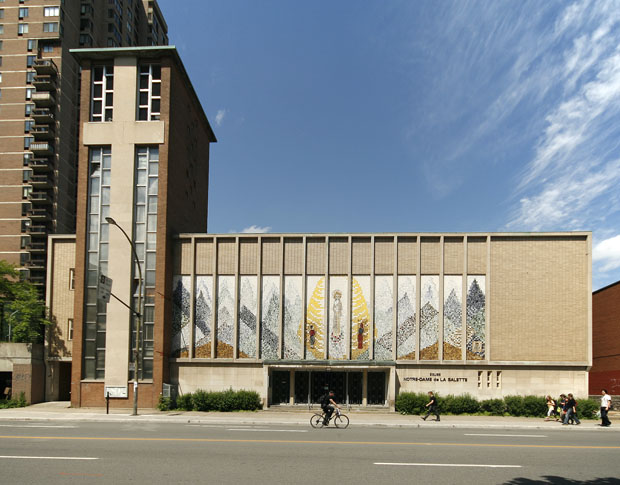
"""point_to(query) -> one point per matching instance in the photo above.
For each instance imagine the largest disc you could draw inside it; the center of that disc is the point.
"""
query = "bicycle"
(339, 419)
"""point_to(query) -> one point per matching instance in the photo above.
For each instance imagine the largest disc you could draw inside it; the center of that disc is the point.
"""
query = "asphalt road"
(153, 453)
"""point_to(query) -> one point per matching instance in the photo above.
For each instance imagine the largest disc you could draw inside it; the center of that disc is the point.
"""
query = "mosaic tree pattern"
(406, 326)
(315, 331)
(247, 316)
(429, 318)
(384, 317)
(225, 316)
(181, 297)
(293, 318)
(360, 318)
(338, 316)
(203, 310)
(452, 317)
(270, 309)
(476, 321)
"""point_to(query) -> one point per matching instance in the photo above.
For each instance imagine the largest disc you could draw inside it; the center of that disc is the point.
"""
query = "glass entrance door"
(280, 386)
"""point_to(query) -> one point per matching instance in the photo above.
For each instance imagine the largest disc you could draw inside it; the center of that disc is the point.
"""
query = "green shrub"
(494, 407)
(463, 404)
(411, 402)
(587, 408)
(515, 405)
(19, 402)
(166, 403)
(534, 406)
(248, 400)
(184, 402)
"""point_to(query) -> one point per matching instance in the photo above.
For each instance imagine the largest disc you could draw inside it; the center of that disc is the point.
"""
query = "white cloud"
(219, 117)
(256, 229)
(607, 253)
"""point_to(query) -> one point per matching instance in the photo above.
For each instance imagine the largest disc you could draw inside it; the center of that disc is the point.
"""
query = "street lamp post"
(111, 221)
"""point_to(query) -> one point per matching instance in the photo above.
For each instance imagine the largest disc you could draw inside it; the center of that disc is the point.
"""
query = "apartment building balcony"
(39, 198)
(36, 247)
(45, 67)
(43, 132)
(42, 148)
(40, 164)
(37, 278)
(42, 115)
(36, 263)
(44, 83)
(44, 99)
(40, 229)
(39, 214)
(40, 181)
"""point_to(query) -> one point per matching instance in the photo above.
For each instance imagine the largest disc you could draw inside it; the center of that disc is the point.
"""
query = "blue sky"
(402, 116)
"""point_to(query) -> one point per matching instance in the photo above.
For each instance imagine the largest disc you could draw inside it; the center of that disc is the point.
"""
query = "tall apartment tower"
(39, 95)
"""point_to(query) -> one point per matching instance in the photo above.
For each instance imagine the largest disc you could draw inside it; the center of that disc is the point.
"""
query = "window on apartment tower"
(22, 29)
(50, 27)
(102, 94)
(70, 329)
(32, 45)
(1, 29)
(28, 109)
(149, 92)
(51, 11)
(30, 60)
(1, 13)
(23, 13)
(29, 77)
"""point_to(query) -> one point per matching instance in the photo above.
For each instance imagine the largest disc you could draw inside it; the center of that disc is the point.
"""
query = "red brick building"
(605, 372)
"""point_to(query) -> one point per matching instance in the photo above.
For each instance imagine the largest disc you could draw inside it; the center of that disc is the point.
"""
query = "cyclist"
(328, 405)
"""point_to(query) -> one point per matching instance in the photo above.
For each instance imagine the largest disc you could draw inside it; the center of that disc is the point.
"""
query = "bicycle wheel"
(341, 421)
(316, 421)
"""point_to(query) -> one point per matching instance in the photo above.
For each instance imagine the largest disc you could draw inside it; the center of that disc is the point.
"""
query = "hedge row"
(225, 401)
(531, 406)
(19, 402)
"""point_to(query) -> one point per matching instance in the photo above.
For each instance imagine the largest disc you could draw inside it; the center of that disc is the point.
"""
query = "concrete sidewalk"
(61, 411)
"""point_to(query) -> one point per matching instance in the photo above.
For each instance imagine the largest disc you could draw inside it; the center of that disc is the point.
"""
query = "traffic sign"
(104, 287)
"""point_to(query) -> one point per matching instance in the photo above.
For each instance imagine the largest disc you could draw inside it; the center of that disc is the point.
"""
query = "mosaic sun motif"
(270, 318)
(360, 318)
(293, 318)
(338, 316)
(247, 316)
(406, 326)
(181, 298)
(203, 310)
(429, 318)
(225, 316)
(476, 320)
(452, 317)
(315, 331)
(384, 317)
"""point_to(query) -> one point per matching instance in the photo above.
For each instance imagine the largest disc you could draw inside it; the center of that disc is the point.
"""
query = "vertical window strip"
(144, 235)
(102, 93)
(149, 92)
(97, 261)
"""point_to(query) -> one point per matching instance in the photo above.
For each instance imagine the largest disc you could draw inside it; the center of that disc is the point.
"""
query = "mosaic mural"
(203, 310)
(452, 317)
(270, 321)
(293, 318)
(360, 318)
(429, 318)
(338, 316)
(476, 321)
(247, 316)
(384, 317)
(225, 316)
(406, 325)
(315, 331)
(181, 298)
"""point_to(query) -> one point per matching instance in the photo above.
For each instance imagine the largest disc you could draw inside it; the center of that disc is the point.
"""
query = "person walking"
(571, 411)
(432, 407)
(605, 406)
(551, 412)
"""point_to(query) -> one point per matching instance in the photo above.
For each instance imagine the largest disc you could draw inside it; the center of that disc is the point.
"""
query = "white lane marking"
(49, 457)
(450, 464)
(509, 435)
(268, 429)
(33, 426)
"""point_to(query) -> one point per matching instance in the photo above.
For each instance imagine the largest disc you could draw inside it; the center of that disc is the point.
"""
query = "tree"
(21, 306)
